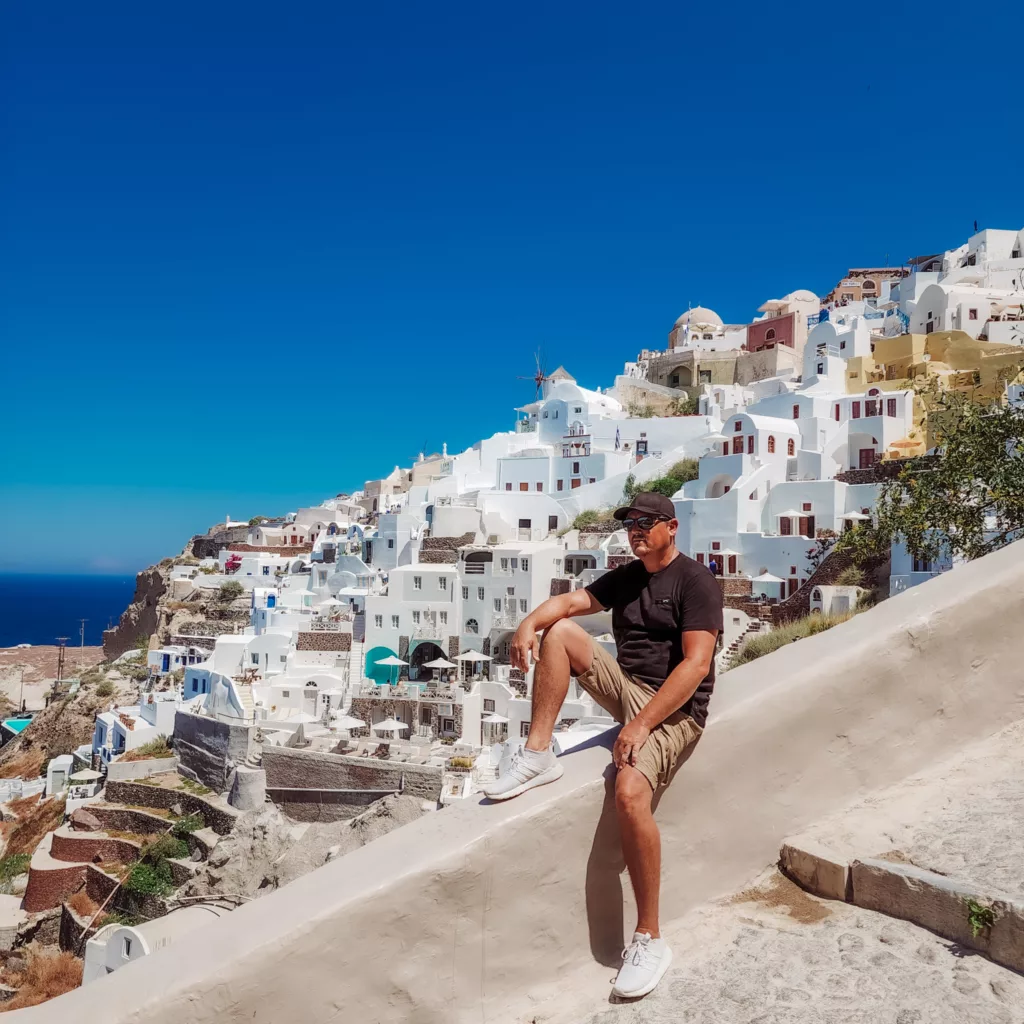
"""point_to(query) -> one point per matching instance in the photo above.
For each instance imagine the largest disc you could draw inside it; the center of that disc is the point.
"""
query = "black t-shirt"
(650, 613)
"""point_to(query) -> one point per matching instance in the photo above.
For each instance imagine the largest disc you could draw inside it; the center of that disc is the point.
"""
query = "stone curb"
(936, 902)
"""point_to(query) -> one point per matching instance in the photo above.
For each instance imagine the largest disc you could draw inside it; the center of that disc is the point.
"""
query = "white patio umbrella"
(347, 722)
(495, 726)
(437, 664)
(473, 656)
(389, 725)
(857, 517)
(391, 662)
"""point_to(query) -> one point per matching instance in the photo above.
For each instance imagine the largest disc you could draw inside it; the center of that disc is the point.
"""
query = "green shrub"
(105, 689)
(461, 762)
(196, 788)
(188, 824)
(587, 517)
(154, 748)
(758, 646)
(149, 879)
(229, 591)
(851, 576)
(13, 865)
(120, 917)
(163, 848)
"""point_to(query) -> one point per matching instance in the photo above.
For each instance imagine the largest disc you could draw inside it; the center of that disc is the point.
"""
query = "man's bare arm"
(562, 606)
(681, 685)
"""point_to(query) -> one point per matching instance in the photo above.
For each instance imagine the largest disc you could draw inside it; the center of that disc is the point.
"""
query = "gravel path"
(774, 955)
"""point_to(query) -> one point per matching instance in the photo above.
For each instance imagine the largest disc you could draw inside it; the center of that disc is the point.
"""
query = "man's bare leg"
(565, 651)
(641, 845)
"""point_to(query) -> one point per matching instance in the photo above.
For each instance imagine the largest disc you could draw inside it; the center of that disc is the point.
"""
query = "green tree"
(968, 500)
(683, 406)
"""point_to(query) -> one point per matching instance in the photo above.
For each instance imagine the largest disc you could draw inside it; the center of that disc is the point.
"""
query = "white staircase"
(356, 662)
(244, 691)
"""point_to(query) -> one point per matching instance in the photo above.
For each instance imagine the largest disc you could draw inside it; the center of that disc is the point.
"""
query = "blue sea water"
(38, 609)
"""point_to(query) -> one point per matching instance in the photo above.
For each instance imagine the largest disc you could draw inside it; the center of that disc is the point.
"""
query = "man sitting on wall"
(666, 617)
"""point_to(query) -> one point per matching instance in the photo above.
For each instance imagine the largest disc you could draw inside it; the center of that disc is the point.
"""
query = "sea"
(36, 609)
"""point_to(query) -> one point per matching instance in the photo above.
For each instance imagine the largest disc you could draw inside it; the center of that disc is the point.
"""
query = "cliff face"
(141, 617)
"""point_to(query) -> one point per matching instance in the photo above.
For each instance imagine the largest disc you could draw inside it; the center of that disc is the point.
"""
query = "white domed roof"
(699, 315)
(802, 295)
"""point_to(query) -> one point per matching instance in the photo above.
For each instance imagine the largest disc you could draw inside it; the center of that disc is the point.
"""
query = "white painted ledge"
(462, 914)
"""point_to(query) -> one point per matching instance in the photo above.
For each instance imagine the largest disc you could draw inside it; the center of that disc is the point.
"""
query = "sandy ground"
(774, 955)
(40, 668)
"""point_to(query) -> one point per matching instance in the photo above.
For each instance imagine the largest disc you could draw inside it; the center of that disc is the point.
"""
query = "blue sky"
(254, 254)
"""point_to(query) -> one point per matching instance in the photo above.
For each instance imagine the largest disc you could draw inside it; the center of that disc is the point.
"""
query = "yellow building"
(952, 359)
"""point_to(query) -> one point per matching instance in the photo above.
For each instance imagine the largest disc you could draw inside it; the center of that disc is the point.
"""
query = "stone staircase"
(727, 654)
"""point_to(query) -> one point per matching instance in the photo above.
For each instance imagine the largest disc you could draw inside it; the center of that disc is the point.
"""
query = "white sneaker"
(529, 768)
(644, 963)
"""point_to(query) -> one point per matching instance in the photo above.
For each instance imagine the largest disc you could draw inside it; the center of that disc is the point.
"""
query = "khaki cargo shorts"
(622, 697)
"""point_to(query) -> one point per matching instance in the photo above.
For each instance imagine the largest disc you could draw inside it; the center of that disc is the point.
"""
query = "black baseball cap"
(647, 503)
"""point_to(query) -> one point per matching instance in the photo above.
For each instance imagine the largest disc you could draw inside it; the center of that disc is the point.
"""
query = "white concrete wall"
(472, 913)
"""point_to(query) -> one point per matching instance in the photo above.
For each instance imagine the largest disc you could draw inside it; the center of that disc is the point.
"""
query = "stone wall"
(303, 769)
(311, 805)
(559, 586)
(218, 817)
(140, 618)
(880, 472)
(735, 586)
(209, 749)
(124, 819)
(83, 847)
(442, 556)
(614, 561)
(287, 550)
(48, 888)
(438, 550)
(323, 640)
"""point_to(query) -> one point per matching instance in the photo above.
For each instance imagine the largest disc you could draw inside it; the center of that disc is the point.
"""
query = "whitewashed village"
(293, 686)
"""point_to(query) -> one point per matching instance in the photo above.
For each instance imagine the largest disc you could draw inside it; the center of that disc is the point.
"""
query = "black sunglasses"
(644, 522)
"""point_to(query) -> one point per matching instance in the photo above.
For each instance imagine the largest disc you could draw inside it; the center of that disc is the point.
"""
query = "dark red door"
(867, 458)
(793, 584)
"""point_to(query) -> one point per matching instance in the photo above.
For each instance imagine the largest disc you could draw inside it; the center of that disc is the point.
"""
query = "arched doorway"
(424, 651)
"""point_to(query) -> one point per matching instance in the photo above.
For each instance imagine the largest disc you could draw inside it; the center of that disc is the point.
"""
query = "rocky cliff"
(142, 616)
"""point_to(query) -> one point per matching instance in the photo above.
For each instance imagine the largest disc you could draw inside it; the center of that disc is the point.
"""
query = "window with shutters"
(855, 410)
(791, 447)
(750, 444)
(771, 444)
(890, 407)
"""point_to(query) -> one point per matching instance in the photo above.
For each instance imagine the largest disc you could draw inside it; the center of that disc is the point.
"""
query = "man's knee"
(632, 792)
(568, 637)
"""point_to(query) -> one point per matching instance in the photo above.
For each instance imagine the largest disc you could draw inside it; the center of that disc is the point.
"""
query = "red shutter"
(837, 412)
(700, 557)
(732, 563)
(750, 444)
(856, 410)
(891, 407)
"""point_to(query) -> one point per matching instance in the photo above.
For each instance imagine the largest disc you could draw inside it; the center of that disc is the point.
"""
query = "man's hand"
(632, 736)
(524, 643)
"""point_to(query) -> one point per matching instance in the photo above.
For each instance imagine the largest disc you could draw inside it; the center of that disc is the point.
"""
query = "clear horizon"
(254, 260)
